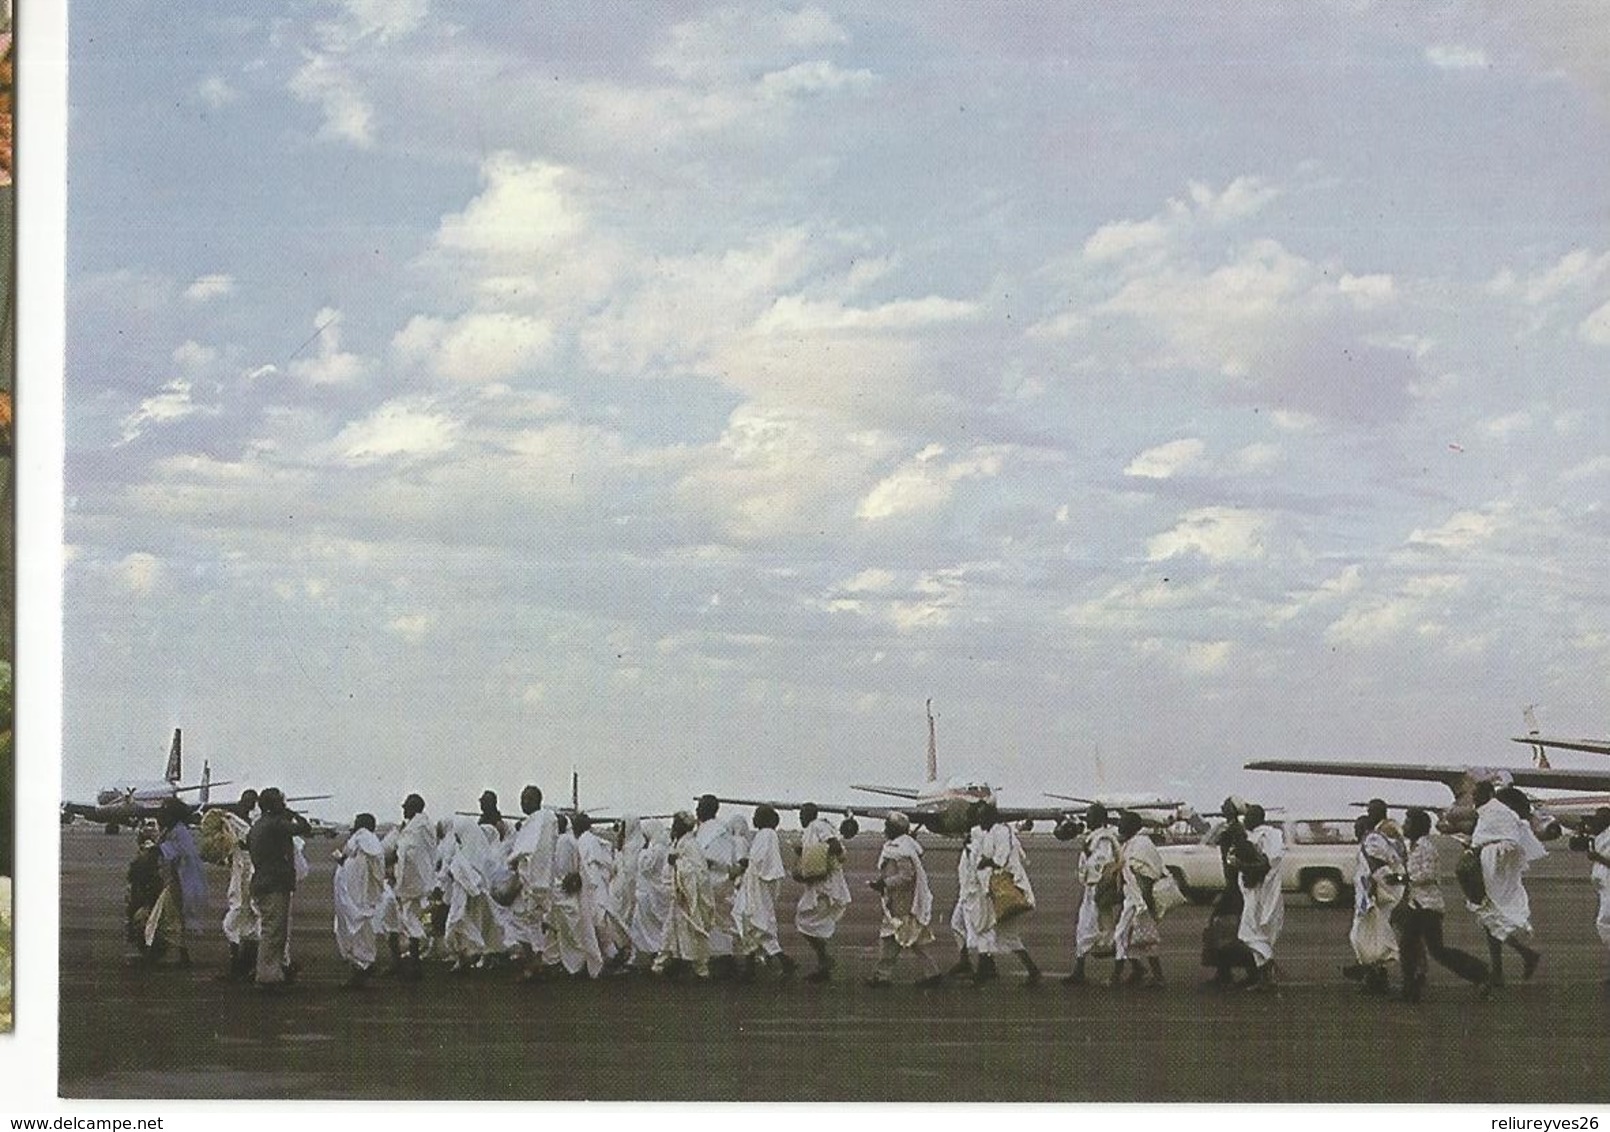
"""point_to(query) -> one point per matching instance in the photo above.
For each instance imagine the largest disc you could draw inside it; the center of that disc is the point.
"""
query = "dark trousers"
(1422, 936)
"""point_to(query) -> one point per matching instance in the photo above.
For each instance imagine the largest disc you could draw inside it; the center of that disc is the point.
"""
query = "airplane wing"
(1453, 777)
(207, 786)
(891, 791)
(859, 808)
(1122, 803)
(1591, 746)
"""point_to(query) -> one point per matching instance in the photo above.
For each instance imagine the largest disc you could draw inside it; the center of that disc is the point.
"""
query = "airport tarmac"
(133, 1032)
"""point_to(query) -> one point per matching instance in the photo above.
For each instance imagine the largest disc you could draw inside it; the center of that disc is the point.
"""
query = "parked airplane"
(939, 807)
(1549, 814)
(1540, 743)
(128, 802)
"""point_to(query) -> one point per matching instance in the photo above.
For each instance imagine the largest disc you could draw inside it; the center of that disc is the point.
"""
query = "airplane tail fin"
(206, 783)
(175, 759)
(1539, 755)
(933, 745)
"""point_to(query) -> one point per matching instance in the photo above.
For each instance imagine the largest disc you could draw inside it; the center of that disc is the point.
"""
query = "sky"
(461, 394)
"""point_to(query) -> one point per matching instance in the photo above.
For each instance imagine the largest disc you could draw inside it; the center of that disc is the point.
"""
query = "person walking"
(908, 904)
(1420, 915)
(271, 843)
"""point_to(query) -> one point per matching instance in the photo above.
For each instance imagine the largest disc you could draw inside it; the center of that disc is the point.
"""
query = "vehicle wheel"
(111, 827)
(1325, 889)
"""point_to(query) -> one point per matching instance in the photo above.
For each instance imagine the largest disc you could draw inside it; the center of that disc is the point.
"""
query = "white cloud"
(329, 365)
(1577, 271)
(1417, 607)
(778, 472)
(1218, 534)
(1464, 529)
(215, 92)
(925, 483)
(1197, 658)
(523, 213)
(484, 347)
(348, 114)
(1506, 426)
(815, 77)
(721, 44)
(1142, 602)
(210, 287)
(1455, 57)
(1595, 328)
(171, 403)
(411, 626)
(1166, 460)
(397, 428)
(1367, 291)
(1258, 457)
(140, 572)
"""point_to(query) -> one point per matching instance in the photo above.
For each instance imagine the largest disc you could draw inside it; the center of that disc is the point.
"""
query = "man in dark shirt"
(273, 850)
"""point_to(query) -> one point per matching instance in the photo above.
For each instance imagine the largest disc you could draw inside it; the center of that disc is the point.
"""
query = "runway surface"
(133, 1032)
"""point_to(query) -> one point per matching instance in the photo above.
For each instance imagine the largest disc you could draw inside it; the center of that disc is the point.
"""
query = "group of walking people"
(548, 894)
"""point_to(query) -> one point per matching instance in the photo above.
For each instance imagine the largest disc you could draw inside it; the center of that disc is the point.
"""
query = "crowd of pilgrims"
(549, 894)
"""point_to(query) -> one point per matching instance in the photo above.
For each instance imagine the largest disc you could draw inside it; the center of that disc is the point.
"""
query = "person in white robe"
(359, 886)
(1598, 827)
(965, 916)
(629, 842)
(1261, 849)
(1378, 876)
(651, 903)
(531, 852)
(721, 858)
(574, 930)
(1136, 939)
(411, 861)
(597, 861)
(242, 924)
(826, 897)
(1504, 839)
(754, 902)
(907, 904)
(472, 934)
(687, 931)
(1100, 897)
(1000, 850)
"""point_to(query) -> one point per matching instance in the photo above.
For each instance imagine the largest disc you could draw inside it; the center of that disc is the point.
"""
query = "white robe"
(473, 928)
(623, 888)
(754, 903)
(1507, 846)
(966, 919)
(823, 902)
(241, 920)
(1135, 936)
(531, 856)
(359, 889)
(720, 858)
(575, 934)
(1601, 882)
(1376, 892)
(906, 909)
(651, 906)
(413, 845)
(687, 934)
(1263, 910)
(999, 844)
(597, 898)
(1094, 930)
